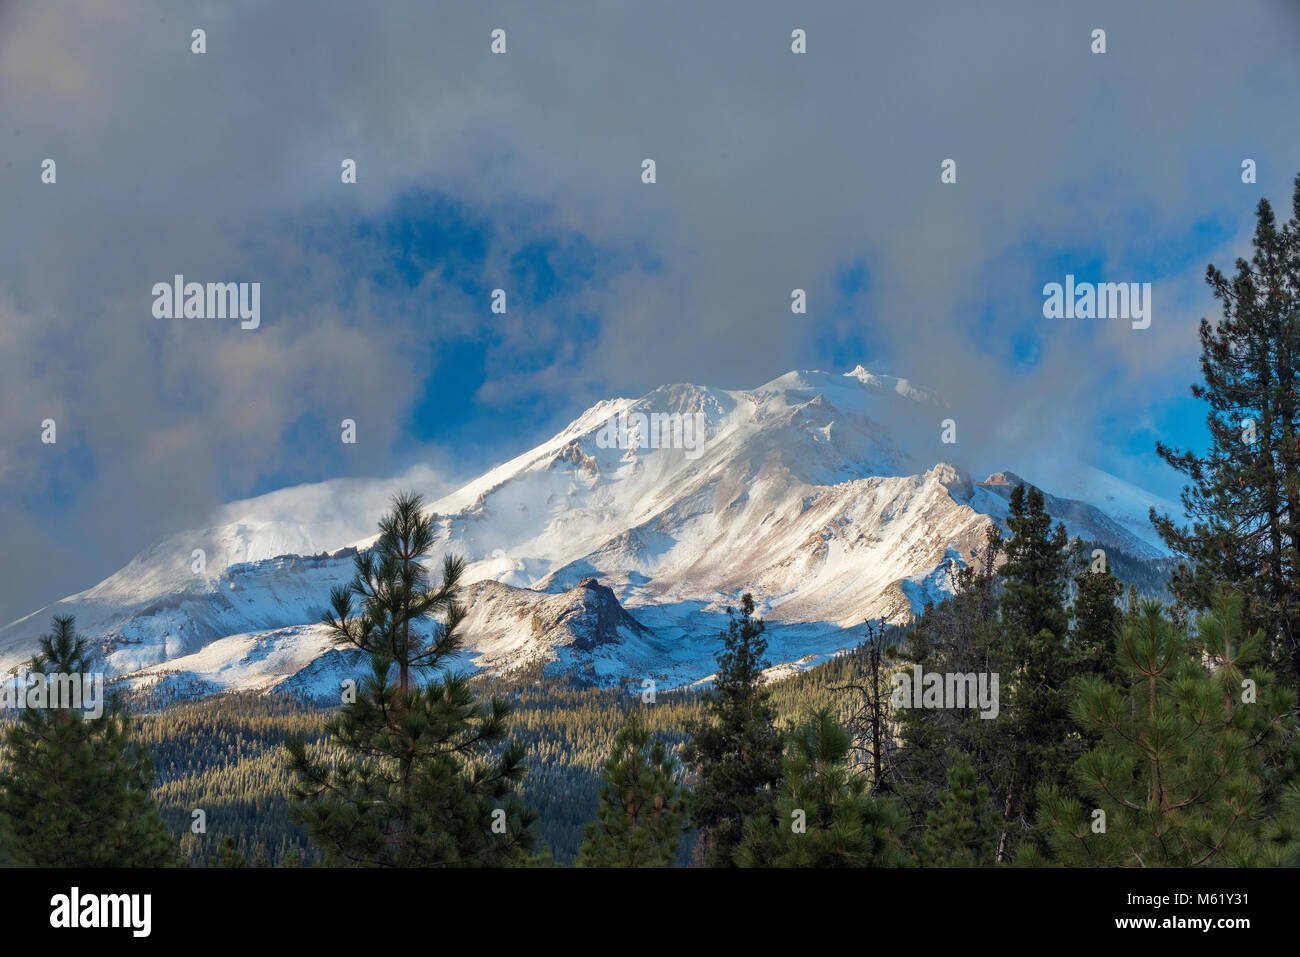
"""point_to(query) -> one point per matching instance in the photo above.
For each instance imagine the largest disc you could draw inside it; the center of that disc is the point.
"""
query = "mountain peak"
(1003, 478)
(600, 558)
(878, 382)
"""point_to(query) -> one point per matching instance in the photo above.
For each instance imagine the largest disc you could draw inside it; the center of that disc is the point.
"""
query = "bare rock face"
(574, 457)
(590, 616)
(1009, 479)
(508, 626)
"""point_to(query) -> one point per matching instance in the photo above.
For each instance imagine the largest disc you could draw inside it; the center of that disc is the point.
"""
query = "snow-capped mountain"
(610, 551)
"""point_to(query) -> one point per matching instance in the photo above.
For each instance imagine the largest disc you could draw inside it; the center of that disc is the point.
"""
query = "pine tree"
(963, 830)
(292, 857)
(735, 750)
(230, 855)
(427, 777)
(1096, 621)
(1244, 494)
(961, 635)
(641, 812)
(1036, 571)
(1038, 741)
(76, 790)
(824, 815)
(1186, 774)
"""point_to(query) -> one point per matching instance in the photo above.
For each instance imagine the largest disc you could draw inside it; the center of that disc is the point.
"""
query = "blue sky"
(819, 171)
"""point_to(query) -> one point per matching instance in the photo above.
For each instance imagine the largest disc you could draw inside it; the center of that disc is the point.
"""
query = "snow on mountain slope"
(248, 662)
(304, 520)
(606, 560)
(1123, 502)
(572, 500)
(165, 603)
(829, 553)
(1081, 519)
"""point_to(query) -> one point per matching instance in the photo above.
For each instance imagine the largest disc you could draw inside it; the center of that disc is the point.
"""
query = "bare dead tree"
(871, 721)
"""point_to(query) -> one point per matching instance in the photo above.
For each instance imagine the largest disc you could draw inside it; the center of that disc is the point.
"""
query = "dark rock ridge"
(593, 616)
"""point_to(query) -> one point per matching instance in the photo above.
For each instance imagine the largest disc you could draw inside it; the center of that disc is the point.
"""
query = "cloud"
(775, 171)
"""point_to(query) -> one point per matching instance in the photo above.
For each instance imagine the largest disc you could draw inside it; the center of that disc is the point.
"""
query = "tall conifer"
(734, 752)
(427, 777)
(1196, 765)
(1244, 493)
(642, 810)
(76, 790)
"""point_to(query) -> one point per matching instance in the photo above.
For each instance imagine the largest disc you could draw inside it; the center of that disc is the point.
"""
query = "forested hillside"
(225, 755)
